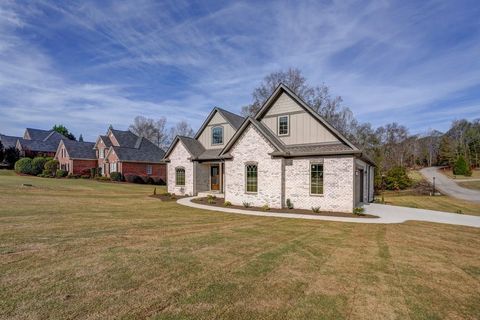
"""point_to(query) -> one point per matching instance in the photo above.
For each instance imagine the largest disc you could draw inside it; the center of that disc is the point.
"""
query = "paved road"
(386, 214)
(449, 186)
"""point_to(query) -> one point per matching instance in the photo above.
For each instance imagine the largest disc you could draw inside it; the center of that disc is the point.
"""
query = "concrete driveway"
(385, 213)
(449, 186)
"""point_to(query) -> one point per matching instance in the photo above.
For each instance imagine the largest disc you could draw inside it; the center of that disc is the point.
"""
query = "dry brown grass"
(82, 249)
(449, 173)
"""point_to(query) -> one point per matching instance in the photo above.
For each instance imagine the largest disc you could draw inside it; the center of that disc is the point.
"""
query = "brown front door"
(215, 177)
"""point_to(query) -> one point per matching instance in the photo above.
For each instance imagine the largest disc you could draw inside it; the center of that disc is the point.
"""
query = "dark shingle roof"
(234, 119)
(318, 148)
(210, 154)
(38, 134)
(143, 151)
(125, 138)
(193, 146)
(8, 141)
(38, 145)
(80, 150)
(106, 141)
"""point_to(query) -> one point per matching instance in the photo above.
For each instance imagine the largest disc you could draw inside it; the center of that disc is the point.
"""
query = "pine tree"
(446, 152)
(80, 139)
(461, 167)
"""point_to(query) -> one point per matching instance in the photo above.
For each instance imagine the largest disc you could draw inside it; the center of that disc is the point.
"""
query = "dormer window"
(283, 125)
(217, 135)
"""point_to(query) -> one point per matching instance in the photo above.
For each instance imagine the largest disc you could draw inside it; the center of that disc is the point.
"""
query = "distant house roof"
(143, 150)
(37, 145)
(9, 141)
(36, 134)
(80, 150)
(125, 138)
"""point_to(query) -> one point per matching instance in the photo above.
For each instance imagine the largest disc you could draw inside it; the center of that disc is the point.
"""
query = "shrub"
(24, 166)
(211, 201)
(38, 164)
(116, 176)
(85, 176)
(133, 178)
(102, 178)
(316, 209)
(50, 168)
(265, 207)
(148, 180)
(61, 173)
(158, 181)
(289, 204)
(397, 179)
(358, 211)
(227, 204)
(461, 167)
(246, 204)
(211, 196)
(85, 172)
(93, 172)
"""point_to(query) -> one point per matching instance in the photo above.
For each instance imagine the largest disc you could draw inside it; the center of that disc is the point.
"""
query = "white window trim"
(149, 169)
(310, 179)
(223, 138)
(101, 153)
(288, 125)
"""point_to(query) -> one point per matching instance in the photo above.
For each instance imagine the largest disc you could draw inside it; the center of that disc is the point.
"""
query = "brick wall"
(253, 147)
(138, 168)
(338, 184)
(78, 166)
(179, 158)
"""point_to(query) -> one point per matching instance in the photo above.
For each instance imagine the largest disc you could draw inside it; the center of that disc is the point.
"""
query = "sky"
(88, 64)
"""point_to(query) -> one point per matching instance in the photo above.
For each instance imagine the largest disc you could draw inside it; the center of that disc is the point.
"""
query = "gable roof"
(9, 141)
(233, 119)
(37, 145)
(280, 146)
(284, 89)
(193, 146)
(79, 150)
(126, 139)
(143, 151)
(36, 134)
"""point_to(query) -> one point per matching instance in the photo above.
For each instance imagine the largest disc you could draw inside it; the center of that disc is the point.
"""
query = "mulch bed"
(219, 202)
(163, 197)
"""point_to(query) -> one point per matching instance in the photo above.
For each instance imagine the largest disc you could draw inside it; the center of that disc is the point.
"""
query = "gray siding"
(205, 137)
(303, 127)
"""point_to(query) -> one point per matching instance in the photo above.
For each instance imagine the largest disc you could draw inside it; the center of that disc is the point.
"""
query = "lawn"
(85, 249)
(449, 173)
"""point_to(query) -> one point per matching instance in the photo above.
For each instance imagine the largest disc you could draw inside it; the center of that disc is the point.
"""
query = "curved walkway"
(449, 186)
(385, 213)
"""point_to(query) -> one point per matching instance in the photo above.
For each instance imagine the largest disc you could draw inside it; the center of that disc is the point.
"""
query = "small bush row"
(133, 178)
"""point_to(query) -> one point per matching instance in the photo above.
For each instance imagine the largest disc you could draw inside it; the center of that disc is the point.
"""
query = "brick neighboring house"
(286, 151)
(36, 142)
(127, 153)
(75, 156)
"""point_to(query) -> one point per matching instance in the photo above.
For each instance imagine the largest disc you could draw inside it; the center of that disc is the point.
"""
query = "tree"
(11, 156)
(397, 179)
(2, 151)
(64, 131)
(446, 152)
(182, 128)
(80, 139)
(155, 131)
(461, 167)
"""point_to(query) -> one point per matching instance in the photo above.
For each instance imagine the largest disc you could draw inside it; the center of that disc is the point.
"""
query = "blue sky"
(88, 64)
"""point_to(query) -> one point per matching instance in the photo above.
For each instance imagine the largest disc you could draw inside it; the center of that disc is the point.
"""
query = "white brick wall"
(338, 184)
(252, 146)
(179, 158)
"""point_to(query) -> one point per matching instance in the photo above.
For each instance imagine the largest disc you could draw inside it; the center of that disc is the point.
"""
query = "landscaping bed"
(220, 202)
(167, 197)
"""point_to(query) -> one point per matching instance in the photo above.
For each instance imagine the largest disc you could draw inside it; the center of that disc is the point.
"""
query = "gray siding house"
(286, 151)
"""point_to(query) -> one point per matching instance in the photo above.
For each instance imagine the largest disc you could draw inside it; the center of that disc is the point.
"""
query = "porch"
(209, 178)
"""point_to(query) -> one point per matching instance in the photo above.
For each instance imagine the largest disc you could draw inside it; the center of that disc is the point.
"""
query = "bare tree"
(155, 131)
(182, 128)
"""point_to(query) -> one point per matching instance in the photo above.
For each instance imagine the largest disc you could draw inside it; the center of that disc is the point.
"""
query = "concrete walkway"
(449, 186)
(386, 214)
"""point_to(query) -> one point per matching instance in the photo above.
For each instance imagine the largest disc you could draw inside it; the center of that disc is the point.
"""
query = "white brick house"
(286, 152)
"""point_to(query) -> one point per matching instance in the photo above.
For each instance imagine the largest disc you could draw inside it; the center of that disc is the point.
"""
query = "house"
(75, 157)
(127, 153)
(286, 151)
(37, 142)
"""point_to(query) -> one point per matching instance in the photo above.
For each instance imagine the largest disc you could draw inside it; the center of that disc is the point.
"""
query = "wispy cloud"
(89, 64)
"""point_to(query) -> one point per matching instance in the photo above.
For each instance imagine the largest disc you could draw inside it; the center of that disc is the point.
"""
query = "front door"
(215, 177)
(360, 194)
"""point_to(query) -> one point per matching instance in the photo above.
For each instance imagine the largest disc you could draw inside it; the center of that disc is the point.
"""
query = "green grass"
(475, 185)
(86, 249)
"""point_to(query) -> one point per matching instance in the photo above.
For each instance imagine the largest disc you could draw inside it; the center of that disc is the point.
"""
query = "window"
(113, 167)
(251, 178)
(316, 178)
(217, 135)
(180, 176)
(149, 169)
(102, 153)
(283, 126)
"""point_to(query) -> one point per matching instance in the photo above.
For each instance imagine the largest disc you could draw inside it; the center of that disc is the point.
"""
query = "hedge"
(51, 167)
(38, 164)
(116, 176)
(24, 166)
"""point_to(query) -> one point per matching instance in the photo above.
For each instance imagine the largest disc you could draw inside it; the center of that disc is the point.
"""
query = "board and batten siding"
(303, 129)
(217, 120)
